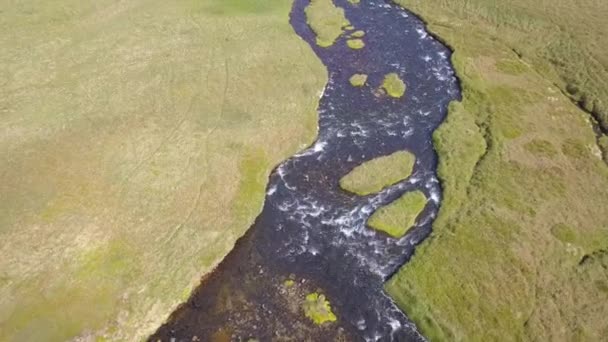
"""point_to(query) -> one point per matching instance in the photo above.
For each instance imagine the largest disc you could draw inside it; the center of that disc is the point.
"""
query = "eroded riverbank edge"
(511, 108)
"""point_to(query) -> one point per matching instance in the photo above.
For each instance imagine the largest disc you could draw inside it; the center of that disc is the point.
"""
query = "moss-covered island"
(376, 174)
(358, 34)
(393, 85)
(326, 20)
(358, 80)
(398, 217)
(318, 309)
(518, 251)
(355, 43)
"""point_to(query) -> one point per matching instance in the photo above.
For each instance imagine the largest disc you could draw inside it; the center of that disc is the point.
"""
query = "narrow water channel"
(311, 233)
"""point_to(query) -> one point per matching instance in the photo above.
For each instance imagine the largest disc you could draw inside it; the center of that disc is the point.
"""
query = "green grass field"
(134, 152)
(520, 248)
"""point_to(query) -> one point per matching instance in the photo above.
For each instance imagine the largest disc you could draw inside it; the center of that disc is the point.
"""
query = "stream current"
(312, 231)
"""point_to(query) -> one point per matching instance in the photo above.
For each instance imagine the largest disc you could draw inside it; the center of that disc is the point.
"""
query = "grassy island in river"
(376, 174)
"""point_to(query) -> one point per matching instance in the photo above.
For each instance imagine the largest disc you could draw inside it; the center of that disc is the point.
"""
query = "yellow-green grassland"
(133, 145)
(520, 248)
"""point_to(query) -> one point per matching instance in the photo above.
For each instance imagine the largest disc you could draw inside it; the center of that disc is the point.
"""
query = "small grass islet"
(393, 85)
(376, 174)
(398, 217)
(358, 80)
(318, 309)
(355, 44)
(326, 20)
(358, 34)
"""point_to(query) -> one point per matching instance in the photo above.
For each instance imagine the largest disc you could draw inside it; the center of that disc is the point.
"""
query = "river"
(313, 232)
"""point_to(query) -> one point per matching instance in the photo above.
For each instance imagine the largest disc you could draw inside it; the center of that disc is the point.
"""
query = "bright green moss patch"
(541, 148)
(355, 44)
(393, 85)
(326, 20)
(376, 174)
(358, 80)
(354, 2)
(358, 34)
(398, 217)
(317, 308)
(289, 283)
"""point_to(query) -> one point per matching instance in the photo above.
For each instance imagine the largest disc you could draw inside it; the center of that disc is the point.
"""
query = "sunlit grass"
(518, 249)
(134, 146)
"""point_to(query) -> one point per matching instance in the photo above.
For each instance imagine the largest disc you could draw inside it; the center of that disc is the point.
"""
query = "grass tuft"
(393, 85)
(355, 44)
(358, 80)
(317, 308)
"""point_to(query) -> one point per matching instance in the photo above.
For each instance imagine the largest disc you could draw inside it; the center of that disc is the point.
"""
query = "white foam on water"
(374, 338)
(408, 132)
(435, 197)
(395, 325)
(271, 190)
(424, 113)
(422, 33)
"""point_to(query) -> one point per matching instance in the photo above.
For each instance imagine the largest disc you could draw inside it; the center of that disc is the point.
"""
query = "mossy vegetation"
(358, 80)
(146, 125)
(318, 309)
(355, 44)
(326, 20)
(393, 85)
(398, 217)
(515, 252)
(376, 174)
(358, 34)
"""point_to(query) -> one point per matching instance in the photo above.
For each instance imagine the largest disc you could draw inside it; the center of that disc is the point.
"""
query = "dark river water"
(313, 232)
